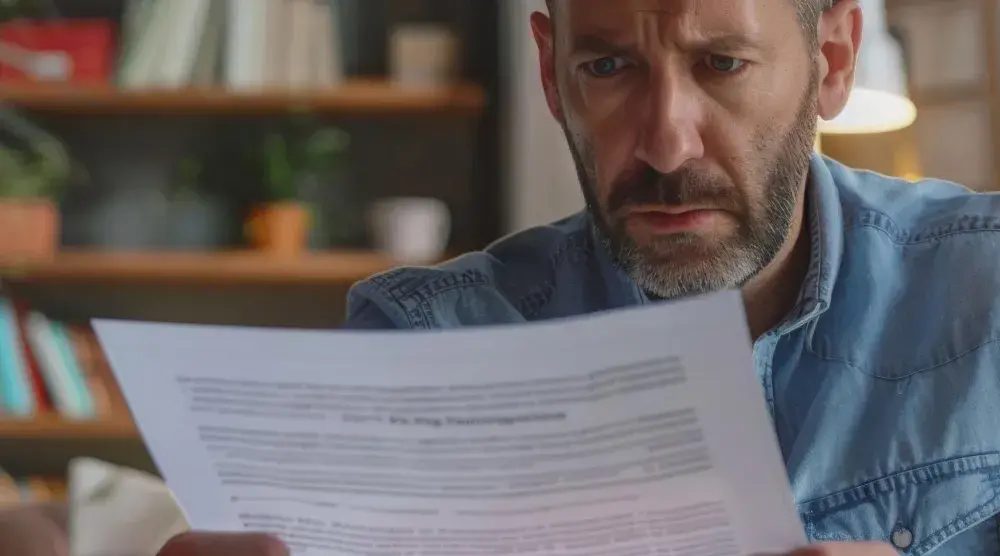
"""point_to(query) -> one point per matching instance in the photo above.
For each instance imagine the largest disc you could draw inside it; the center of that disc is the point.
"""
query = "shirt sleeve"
(363, 314)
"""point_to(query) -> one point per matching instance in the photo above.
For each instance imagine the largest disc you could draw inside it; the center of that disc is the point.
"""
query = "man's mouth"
(671, 220)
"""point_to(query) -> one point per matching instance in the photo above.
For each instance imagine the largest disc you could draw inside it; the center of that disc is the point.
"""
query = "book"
(641, 430)
(16, 388)
(242, 45)
(51, 367)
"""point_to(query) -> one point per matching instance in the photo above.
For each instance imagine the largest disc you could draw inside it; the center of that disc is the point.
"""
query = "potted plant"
(30, 180)
(282, 222)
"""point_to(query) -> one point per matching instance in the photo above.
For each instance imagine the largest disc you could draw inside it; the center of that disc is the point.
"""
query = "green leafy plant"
(324, 148)
(41, 172)
(33, 162)
(280, 179)
(288, 161)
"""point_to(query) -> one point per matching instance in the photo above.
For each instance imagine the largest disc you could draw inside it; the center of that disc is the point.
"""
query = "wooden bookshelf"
(45, 444)
(354, 97)
(209, 268)
(53, 427)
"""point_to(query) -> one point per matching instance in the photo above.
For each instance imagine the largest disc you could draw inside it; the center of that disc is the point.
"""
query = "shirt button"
(902, 538)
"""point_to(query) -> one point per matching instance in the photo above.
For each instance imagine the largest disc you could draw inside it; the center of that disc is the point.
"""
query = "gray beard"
(760, 236)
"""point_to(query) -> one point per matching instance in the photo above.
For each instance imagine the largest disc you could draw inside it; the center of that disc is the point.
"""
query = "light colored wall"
(541, 181)
(949, 62)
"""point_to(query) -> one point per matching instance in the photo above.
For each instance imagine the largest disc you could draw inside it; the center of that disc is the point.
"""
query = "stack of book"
(239, 44)
(48, 366)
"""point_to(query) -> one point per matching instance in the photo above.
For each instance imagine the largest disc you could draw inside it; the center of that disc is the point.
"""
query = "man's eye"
(605, 67)
(723, 64)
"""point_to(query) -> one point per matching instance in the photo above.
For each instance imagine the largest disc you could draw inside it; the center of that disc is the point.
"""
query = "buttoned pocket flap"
(917, 510)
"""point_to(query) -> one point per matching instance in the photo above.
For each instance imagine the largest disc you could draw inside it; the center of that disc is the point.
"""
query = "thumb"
(32, 531)
(224, 544)
(847, 549)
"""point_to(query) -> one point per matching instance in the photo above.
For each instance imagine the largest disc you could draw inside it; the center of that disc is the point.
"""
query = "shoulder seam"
(962, 224)
(413, 294)
(377, 284)
(413, 301)
(427, 289)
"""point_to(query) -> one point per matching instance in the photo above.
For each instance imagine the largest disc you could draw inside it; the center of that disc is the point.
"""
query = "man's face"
(691, 123)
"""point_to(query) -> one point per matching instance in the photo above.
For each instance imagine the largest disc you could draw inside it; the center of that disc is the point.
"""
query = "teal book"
(16, 395)
(59, 367)
(83, 401)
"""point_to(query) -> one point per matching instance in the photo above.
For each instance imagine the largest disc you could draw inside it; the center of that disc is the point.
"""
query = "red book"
(76, 51)
(42, 398)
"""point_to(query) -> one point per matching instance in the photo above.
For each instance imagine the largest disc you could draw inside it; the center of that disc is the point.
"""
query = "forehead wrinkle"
(661, 6)
(665, 29)
(698, 27)
(734, 27)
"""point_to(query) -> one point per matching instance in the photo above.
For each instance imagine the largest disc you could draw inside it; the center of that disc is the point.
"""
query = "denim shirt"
(883, 383)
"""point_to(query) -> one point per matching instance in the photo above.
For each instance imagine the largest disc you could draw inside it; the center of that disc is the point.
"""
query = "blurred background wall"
(541, 184)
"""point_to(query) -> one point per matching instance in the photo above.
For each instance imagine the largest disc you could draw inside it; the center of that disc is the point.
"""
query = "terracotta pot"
(29, 227)
(279, 228)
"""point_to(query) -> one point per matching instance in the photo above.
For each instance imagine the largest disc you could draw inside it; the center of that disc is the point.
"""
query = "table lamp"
(879, 101)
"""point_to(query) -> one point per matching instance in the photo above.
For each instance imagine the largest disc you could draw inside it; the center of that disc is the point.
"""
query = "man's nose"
(670, 135)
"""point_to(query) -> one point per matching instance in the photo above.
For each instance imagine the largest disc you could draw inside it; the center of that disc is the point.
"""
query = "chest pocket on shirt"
(945, 508)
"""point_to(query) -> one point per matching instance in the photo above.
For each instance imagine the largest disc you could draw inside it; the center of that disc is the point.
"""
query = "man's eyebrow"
(724, 42)
(718, 42)
(598, 45)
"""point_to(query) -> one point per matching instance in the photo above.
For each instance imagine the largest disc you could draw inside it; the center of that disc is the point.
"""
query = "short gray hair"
(808, 12)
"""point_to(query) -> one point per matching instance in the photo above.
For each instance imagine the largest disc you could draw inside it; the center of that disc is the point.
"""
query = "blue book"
(16, 395)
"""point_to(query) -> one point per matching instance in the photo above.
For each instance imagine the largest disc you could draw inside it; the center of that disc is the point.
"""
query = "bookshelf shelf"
(53, 427)
(354, 97)
(176, 269)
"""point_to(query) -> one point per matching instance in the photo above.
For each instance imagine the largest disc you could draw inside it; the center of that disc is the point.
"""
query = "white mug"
(411, 230)
(422, 56)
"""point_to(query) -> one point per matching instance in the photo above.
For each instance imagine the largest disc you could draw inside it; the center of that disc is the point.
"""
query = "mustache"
(682, 187)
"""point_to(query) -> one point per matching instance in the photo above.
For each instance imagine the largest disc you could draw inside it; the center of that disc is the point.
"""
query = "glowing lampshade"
(879, 101)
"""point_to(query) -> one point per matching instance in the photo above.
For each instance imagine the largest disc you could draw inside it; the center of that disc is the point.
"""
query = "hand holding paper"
(543, 439)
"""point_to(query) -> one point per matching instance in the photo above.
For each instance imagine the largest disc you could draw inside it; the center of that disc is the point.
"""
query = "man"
(872, 302)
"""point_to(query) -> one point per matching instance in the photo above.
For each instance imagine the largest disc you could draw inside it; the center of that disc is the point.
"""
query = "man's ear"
(541, 28)
(839, 36)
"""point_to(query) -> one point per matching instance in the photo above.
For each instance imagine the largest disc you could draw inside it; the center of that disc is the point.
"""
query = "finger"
(57, 513)
(224, 544)
(31, 532)
(847, 549)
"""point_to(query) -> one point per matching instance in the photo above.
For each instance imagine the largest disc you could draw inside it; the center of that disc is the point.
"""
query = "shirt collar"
(825, 225)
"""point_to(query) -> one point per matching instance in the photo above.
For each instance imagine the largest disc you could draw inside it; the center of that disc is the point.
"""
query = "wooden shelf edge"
(51, 427)
(355, 96)
(208, 268)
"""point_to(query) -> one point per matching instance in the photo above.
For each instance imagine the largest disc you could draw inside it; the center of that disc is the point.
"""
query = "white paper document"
(635, 432)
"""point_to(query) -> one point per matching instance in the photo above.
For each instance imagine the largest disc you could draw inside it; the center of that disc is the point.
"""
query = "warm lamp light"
(879, 101)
